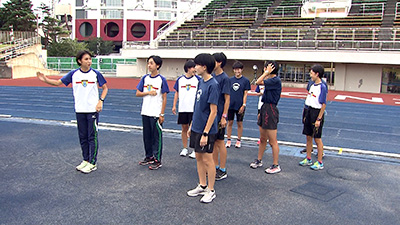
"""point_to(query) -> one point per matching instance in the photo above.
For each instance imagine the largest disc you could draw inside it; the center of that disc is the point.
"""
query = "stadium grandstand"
(356, 41)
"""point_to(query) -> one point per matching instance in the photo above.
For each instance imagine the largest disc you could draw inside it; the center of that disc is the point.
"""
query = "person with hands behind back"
(85, 82)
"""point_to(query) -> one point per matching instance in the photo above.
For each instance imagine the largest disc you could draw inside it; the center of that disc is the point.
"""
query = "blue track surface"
(348, 125)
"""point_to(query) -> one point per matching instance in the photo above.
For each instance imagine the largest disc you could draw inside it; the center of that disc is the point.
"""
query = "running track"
(354, 122)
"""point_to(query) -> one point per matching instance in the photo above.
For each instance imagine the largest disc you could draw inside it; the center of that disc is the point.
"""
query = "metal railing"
(286, 44)
(231, 13)
(367, 6)
(285, 11)
(105, 65)
(17, 47)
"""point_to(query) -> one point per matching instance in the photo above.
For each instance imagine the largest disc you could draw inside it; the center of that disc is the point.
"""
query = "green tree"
(19, 14)
(99, 46)
(65, 48)
(51, 26)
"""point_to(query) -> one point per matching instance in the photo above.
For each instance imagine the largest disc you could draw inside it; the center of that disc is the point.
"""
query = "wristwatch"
(205, 134)
(224, 115)
(102, 99)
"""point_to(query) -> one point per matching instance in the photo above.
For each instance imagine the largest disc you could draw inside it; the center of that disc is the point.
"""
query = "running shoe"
(155, 165)
(83, 164)
(305, 162)
(238, 144)
(317, 166)
(197, 191)
(89, 168)
(208, 196)
(273, 169)
(220, 174)
(146, 161)
(228, 143)
(192, 155)
(184, 152)
(256, 164)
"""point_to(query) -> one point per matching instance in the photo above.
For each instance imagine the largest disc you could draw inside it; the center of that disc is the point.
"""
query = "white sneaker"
(197, 191)
(184, 152)
(83, 164)
(208, 197)
(89, 168)
(192, 155)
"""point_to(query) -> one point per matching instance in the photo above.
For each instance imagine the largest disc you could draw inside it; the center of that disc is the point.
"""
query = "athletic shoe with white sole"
(192, 155)
(208, 196)
(184, 152)
(89, 168)
(197, 191)
(238, 144)
(256, 164)
(305, 162)
(317, 166)
(228, 143)
(273, 169)
(83, 164)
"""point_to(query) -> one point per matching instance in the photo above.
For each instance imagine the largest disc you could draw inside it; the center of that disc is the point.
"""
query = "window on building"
(112, 2)
(112, 13)
(111, 29)
(81, 14)
(86, 29)
(165, 4)
(162, 15)
(138, 30)
(79, 3)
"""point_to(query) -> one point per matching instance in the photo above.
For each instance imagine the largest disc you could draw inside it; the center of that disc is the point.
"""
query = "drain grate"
(318, 191)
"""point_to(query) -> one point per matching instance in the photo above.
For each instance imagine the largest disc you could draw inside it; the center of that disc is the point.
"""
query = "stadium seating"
(257, 20)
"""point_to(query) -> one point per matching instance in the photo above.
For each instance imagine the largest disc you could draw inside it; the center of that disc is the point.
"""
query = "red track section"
(130, 83)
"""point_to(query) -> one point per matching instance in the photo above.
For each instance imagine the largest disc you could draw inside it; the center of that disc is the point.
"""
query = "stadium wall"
(354, 70)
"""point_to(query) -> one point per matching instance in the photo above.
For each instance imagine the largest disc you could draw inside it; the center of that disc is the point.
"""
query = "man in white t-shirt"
(186, 88)
(153, 88)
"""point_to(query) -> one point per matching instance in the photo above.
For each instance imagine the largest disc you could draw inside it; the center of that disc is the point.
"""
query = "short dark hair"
(275, 64)
(205, 59)
(221, 58)
(317, 68)
(189, 64)
(157, 59)
(237, 65)
(80, 55)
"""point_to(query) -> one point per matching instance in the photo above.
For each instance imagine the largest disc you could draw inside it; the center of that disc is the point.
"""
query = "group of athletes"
(208, 102)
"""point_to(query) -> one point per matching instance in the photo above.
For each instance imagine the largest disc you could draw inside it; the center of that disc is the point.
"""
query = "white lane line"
(128, 128)
(4, 116)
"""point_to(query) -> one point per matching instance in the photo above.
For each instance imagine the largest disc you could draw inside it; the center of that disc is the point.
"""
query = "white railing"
(231, 13)
(397, 13)
(285, 11)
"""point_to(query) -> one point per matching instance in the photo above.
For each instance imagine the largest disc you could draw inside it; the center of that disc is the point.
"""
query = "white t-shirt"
(260, 89)
(316, 95)
(84, 85)
(152, 105)
(186, 88)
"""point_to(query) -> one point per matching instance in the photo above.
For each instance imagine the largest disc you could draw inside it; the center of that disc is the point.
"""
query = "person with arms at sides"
(203, 130)
(153, 88)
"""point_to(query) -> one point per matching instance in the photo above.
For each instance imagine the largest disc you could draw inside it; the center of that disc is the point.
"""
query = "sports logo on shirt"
(150, 87)
(84, 82)
(188, 86)
(198, 95)
(235, 86)
(312, 94)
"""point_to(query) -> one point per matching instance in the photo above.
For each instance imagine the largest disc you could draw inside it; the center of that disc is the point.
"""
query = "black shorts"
(269, 117)
(185, 117)
(232, 113)
(221, 133)
(309, 128)
(195, 142)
